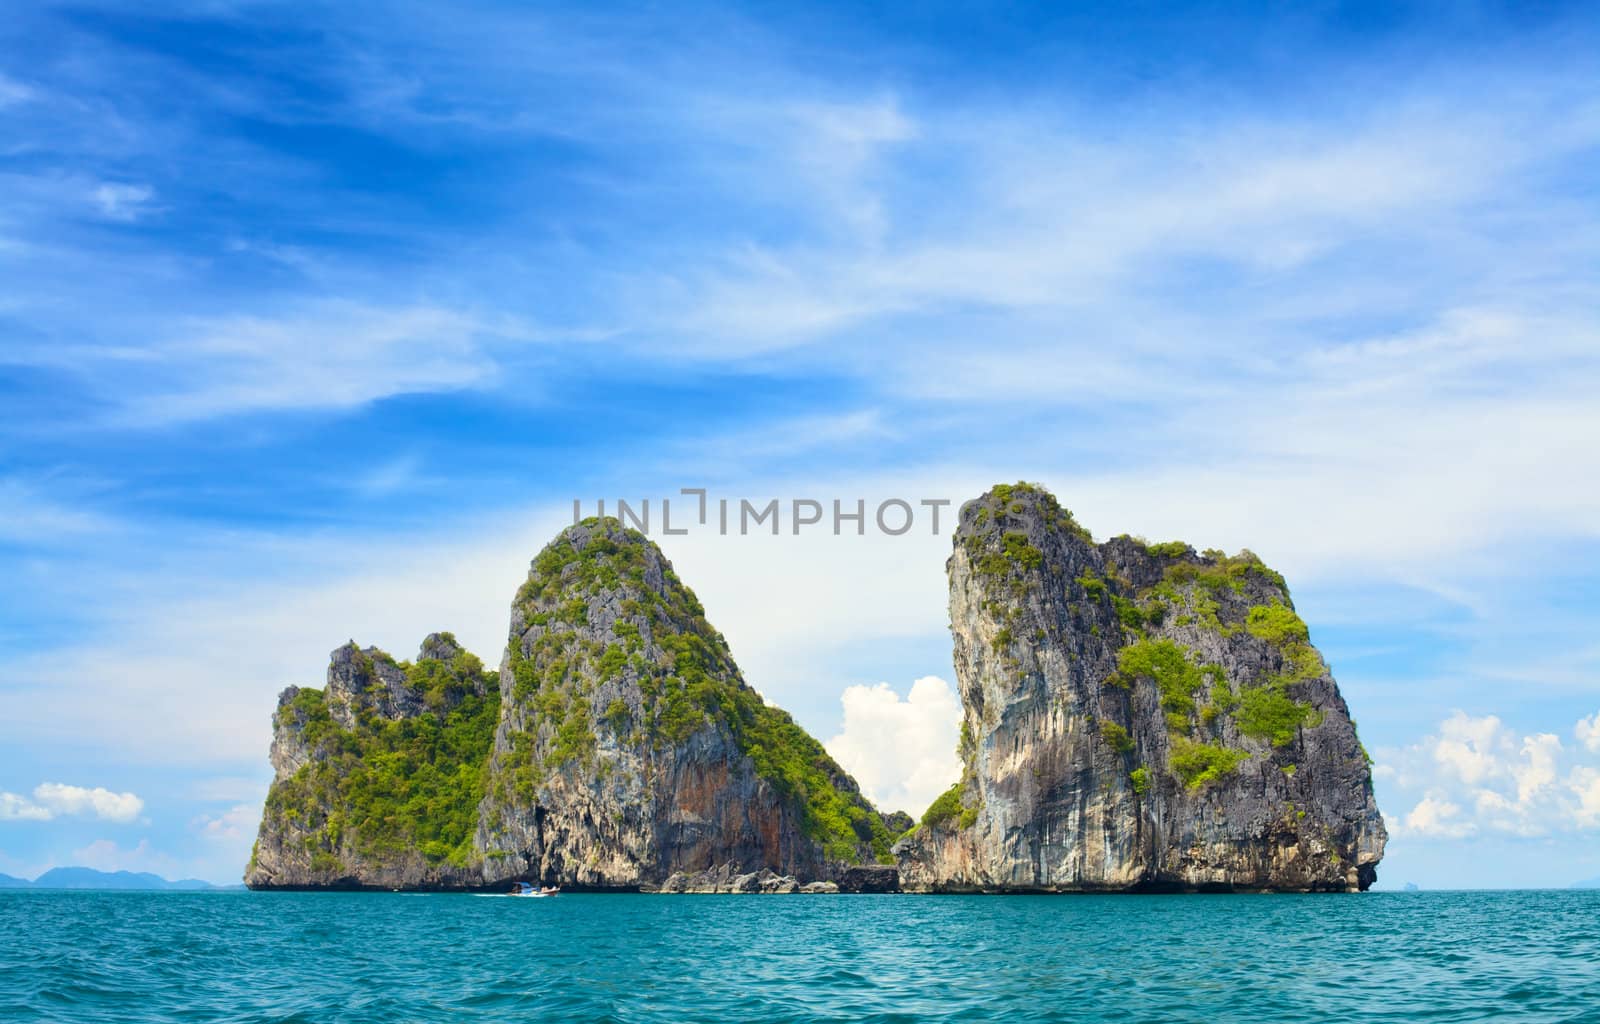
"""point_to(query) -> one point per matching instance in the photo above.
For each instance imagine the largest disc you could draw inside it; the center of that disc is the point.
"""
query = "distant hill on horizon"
(1591, 883)
(92, 878)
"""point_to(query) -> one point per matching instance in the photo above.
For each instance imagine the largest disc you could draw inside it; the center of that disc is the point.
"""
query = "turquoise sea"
(356, 957)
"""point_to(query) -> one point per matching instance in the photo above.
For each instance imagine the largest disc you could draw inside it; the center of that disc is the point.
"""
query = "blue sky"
(314, 319)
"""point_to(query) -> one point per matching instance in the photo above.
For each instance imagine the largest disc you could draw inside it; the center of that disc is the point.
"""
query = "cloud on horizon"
(1478, 776)
(55, 800)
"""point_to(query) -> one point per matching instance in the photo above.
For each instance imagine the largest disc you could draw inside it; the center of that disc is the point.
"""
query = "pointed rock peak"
(439, 647)
(601, 537)
(352, 668)
(365, 680)
(597, 573)
(353, 654)
(597, 552)
(1016, 517)
(1018, 502)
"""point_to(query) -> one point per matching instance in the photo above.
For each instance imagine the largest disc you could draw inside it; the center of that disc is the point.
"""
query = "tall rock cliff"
(629, 746)
(618, 744)
(1136, 717)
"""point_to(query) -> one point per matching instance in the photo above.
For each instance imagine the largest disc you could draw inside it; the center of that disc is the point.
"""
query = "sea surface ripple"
(381, 958)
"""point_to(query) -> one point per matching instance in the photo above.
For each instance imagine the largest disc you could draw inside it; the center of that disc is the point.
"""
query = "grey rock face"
(869, 878)
(624, 750)
(368, 681)
(724, 879)
(1137, 717)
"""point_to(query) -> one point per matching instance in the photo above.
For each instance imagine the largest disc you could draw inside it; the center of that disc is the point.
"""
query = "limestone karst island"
(1135, 717)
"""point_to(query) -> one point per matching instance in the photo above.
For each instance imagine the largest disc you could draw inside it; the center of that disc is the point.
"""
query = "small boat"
(535, 891)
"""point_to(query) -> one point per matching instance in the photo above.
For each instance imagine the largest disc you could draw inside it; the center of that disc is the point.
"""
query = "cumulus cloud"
(1588, 732)
(1477, 775)
(902, 751)
(1586, 786)
(19, 808)
(1467, 748)
(1438, 817)
(55, 799)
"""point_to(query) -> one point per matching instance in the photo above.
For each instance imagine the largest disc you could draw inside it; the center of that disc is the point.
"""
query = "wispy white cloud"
(1036, 215)
(121, 201)
(388, 477)
(838, 151)
(13, 92)
(731, 453)
(31, 514)
(336, 356)
(1427, 453)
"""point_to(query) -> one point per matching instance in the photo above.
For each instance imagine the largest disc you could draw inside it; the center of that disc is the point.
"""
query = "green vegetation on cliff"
(1231, 596)
(685, 675)
(1276, 623)
(958, 806)
(948, 808)
(1116, 736)
(386, 787)
(1167, 665)
(1199, 763)
(1204, 591)
(1265, 712)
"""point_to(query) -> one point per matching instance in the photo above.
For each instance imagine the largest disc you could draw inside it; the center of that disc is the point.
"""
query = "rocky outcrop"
(354, 762)
(726, 879)
(617, 746)
(1136, 717)
(629, 747)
